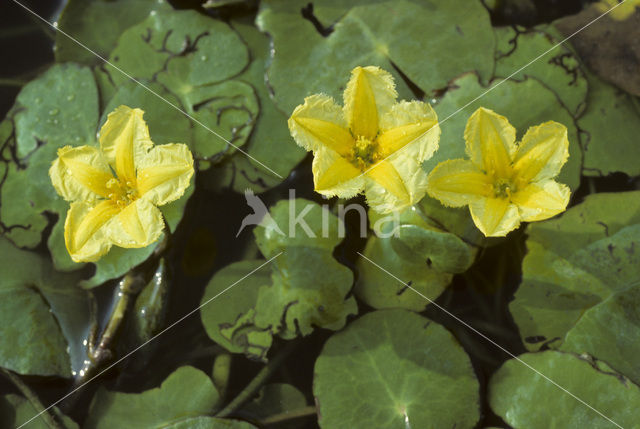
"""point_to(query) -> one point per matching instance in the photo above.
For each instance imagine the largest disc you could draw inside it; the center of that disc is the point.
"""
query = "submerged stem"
(309, 410)
(257, 381)
(40, 409)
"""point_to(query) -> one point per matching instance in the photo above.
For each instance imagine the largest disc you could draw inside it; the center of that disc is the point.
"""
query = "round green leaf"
(392, 369)
(97, 24)
(187, 392)
(524, 399)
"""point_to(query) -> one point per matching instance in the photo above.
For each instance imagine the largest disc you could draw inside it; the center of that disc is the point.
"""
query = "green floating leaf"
(580, 290)
(273, 399)
(524, 399)
(611, 125)
(193, 56)
(559, 69)
(18, 411)
(270, 143)
(187, 392)
(229, 316)
(58, 108)
(307, 286)
(416, 251)
(97, 24)
(308, 289)
(209, 423)
(298, 223)
(387, 34)
(392, 369)
(38, 309)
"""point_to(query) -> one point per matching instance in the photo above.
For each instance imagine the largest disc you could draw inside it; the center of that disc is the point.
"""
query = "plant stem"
(48, 418)
(309, 410)
(257, 382)
(220, 373)
(101, 353)
(7, 81)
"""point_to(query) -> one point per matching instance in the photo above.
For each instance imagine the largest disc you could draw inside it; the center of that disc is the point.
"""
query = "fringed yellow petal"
(335, 176)
(124, 139)
(164, 173)
(457, 182)
(541, 200)
(384, 174)
(140, 225)
(86, 230)
(495, 217)
(409, 122)
(363, 113)
(490, 142)
(370, 94)
(319, 122)
(542, 153)
(80, 174)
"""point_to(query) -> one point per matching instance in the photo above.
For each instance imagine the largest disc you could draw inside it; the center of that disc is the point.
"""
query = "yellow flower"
(373, 143)
(505, 183)
(120, 208)
(620, 13)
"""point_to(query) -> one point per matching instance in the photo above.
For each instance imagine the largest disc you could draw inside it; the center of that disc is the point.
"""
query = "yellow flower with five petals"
(115, 190)
(505, 183)
(373, 143)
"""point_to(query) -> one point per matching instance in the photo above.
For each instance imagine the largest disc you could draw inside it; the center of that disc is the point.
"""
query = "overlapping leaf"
(42, 315)
(525, 399)
(416, 251)
(611, 126)
(186, 393)
(16, 411)
(270, 146)
(556, 66)
(193, 57)
(307, 287)
(580, 290)
(408, 35)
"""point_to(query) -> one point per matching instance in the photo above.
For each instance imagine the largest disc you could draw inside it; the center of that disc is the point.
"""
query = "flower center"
(122, 193)
(503, 188)
(364, 153)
